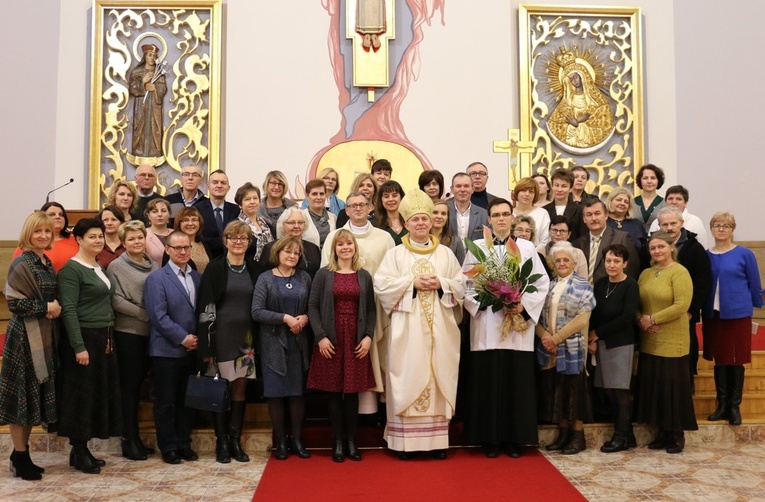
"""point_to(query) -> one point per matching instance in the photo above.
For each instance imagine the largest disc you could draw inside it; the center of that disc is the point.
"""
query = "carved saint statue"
(583, 118)
(148, 88)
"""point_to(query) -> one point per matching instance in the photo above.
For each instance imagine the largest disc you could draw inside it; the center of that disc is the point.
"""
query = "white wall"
(280, 101)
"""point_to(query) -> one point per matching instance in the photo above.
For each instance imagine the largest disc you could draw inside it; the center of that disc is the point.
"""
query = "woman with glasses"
(292, 223)
(560, 231)
(727, 314)
(190, 222)
(227, 332)
(280, 306)
(276, 199)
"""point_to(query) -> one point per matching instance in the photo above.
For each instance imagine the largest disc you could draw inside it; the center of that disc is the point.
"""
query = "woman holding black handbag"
(227, 332)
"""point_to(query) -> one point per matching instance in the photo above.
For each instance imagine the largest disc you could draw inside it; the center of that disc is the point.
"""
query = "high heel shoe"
(36, 468)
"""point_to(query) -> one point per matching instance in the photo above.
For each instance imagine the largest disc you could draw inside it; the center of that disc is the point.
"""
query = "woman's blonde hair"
(333, 265)
(130, 226)
(34, 221)
(281, 178)
(662, 236)
(111, 200)
(320, 175)
(615, 193)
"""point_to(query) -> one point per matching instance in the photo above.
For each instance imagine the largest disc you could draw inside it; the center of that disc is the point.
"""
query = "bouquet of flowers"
(500, 280)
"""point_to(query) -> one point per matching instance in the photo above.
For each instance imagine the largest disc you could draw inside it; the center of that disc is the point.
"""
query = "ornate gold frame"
(196, 81)
(613, 37)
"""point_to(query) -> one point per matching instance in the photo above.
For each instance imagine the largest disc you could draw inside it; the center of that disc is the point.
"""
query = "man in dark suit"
(563, 203)
(467, 219)
(216, 212)
(170, 296)
(598, 237)
(145, 181)
(691, 255)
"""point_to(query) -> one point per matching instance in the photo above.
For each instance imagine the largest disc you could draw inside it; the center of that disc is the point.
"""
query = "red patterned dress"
(344, 372)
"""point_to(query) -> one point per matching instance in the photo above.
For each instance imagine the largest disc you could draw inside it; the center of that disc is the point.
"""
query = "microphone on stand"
(47, 197)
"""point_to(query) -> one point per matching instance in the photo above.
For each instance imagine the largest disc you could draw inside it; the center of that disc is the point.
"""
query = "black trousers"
(172, 419)
(133, 352)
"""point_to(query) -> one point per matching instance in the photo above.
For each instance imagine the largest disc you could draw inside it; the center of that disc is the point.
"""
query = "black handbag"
(208, 393)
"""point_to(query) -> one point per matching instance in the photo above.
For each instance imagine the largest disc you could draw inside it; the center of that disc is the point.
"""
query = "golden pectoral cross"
(370, 24)
(514, 147)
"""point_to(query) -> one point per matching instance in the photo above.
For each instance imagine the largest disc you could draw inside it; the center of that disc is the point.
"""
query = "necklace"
(237, 269)
(618, 222)
(609, 290)
(289, 278)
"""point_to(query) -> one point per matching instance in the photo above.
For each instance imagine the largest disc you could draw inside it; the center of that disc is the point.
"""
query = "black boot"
(676, 442)
(132, 450)
(222, 453)
(298, 448)
(280, 450)
(663, 439)
(564, 435)
(721, 385)
(353, 451)
(81, 459)
(22, 466)
(576, 444)
(235, 432)
(37, 468)
(736, 386)
(337, 450)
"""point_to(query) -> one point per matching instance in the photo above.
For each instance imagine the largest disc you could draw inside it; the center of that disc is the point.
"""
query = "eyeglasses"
(291, 253)
(478, 174)
(180, 249)
(558, 231)
(238, 239)
(294, 223)
(358, 205)
(190, 175)
(504, 215)
(722, 227)
(276, 184)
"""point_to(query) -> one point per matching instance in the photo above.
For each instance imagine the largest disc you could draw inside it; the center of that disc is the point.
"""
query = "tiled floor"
(705, 471)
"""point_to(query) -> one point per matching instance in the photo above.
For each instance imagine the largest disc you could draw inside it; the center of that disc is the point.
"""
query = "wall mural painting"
(155, 90)
(581, 93)
(374, 54)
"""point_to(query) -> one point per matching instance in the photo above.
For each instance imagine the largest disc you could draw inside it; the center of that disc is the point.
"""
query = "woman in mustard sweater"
(664, 397)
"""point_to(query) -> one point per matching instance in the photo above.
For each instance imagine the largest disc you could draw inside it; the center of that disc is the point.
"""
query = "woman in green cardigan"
(663, 396)
(90, 393)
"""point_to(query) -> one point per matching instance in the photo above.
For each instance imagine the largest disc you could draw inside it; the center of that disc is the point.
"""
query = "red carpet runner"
(466, 475)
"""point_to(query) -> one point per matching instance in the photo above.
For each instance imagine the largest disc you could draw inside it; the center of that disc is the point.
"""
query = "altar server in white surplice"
(421, 286)
(502, 411)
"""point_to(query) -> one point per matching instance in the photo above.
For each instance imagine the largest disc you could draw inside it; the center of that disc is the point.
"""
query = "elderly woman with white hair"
(292, 223)
(561, 351)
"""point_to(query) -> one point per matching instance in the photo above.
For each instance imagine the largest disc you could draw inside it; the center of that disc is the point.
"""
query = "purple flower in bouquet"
(508, 294)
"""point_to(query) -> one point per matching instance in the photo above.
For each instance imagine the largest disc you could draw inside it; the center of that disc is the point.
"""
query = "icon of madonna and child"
(582, 121)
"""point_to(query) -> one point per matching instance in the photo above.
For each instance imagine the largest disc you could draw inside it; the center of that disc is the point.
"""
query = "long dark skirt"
(563, 397)
(89, 405)
(502, 398)
(663, 397)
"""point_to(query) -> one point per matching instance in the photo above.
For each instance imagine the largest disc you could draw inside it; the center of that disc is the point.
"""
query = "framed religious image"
(581, 87)
(155, 90)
